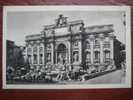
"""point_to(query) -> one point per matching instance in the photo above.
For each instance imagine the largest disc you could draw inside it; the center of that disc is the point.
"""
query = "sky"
(20, 24)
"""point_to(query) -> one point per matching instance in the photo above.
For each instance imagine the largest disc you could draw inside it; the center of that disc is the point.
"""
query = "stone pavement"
(109, 78)
(113, 77)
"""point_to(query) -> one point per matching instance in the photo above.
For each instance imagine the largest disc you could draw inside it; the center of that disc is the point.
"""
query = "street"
(114, 77)
(109, 78)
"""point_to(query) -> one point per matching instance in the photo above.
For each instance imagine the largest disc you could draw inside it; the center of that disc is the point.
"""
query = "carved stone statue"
(75, 58)
(60, 59)
(61, 20)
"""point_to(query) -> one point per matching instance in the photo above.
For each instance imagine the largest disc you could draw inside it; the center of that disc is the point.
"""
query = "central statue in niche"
(61, 53)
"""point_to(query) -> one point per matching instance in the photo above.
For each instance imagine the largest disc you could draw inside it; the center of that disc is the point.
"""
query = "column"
(44, 46)
(44, 52)
(101, 48)
(52, 53)
(101, 51)
(80, 51)
(92, 52)
(69, 52)
(43, 67)
(32, 57)
(56, 57)
(91, 47)
(38, 55)
(111, 37)
(26, 54)
(53, 47)
(112, 49)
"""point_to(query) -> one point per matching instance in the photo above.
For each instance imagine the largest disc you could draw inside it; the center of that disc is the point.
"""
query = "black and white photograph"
(66, 47)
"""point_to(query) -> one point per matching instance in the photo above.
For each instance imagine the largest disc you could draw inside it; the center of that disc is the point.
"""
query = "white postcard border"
(127, 84)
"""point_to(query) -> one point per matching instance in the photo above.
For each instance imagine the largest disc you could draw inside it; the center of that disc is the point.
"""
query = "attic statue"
(61, 20)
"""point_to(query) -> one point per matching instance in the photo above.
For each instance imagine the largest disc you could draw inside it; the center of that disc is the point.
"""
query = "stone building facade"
(14, 59)
(72, 44)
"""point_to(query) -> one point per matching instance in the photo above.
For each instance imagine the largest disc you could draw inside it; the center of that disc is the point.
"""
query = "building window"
(96, 56)
(107, 56)
(29, 59)
(35, 59)
(75, 56)
(41, 50)
(96, 44)
(87, 45)
(35, 50)
(29, 51)
(106, 44)
(41, 58)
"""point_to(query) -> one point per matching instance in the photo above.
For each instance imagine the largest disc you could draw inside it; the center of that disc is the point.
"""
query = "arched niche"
(61, 53)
